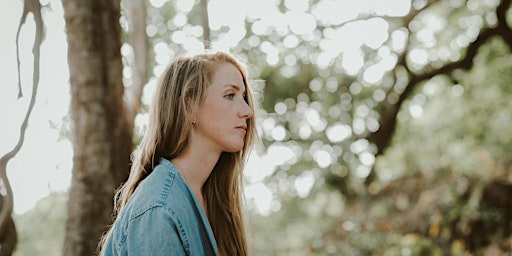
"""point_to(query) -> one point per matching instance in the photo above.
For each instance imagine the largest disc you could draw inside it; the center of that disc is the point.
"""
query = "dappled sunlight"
(260, 197)
(338, 132)
(304, 183)
(378, 135)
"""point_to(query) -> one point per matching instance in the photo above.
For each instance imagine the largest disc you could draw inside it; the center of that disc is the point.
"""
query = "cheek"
(212, 112)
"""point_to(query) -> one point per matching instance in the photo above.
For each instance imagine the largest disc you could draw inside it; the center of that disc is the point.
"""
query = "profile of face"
(221, 119)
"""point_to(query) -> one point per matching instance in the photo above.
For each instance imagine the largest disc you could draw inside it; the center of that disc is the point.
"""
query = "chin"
(234, 148)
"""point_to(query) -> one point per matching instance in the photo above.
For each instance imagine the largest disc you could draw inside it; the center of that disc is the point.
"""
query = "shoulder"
(150, 231)
(160, 208)
(164, 188)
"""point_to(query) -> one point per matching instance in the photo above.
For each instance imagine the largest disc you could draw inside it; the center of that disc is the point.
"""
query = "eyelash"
(231, 96)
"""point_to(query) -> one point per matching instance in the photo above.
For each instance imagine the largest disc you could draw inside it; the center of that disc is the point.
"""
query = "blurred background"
(386, 125)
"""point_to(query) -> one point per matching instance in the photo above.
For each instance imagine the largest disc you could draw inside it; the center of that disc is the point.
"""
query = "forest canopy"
(385, 124)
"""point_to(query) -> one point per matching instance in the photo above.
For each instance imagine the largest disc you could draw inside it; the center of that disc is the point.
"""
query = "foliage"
(42, 228)
(325, 93)
(464, 152)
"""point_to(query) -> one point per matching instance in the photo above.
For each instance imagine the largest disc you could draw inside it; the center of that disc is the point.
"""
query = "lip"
(242, 128)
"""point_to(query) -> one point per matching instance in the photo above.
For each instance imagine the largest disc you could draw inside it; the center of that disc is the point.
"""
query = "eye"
(229, 96)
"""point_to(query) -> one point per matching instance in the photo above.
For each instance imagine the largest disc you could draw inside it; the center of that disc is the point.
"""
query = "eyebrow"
(234, 86)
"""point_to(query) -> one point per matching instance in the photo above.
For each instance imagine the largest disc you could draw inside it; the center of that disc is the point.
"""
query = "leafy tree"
(397, 144)
(319, 100)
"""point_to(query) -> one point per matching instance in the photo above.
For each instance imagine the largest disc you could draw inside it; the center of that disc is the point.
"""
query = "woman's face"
(221, 120)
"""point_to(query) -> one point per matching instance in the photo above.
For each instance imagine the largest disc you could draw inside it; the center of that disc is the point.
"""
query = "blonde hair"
(181, 88)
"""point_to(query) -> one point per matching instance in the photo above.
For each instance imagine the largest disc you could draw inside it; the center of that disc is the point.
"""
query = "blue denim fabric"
(163, 217)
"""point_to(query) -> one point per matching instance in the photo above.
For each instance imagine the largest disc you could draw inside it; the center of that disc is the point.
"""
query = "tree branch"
(382, 137)
(414, 12)
(35, 7)
(503, 28)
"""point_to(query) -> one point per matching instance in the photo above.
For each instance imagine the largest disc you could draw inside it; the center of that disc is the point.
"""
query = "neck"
(195, 165)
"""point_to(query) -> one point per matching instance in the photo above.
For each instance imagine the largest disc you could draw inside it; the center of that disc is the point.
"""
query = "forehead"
(224, 74)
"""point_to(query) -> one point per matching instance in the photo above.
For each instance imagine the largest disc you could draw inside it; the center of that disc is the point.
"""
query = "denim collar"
(206, 223)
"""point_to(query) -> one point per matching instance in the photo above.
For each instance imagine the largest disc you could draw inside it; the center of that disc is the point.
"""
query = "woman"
(183, 195)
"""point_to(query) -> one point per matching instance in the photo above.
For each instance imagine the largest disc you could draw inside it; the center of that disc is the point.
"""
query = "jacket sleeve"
(156, 232)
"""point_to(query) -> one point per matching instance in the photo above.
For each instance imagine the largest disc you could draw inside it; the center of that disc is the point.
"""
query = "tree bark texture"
(8, 234)
(102, 139)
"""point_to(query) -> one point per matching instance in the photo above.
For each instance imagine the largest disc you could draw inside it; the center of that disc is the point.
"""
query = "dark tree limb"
(414, 12)
(503, 29)
(388, 114)
(6, 222)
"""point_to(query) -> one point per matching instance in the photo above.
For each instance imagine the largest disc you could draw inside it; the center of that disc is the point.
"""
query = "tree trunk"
(136, 10)
(102, 138)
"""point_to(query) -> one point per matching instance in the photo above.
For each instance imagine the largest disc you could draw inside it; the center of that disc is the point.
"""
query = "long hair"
(180, 89)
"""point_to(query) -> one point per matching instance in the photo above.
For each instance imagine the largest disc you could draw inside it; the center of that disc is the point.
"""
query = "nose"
(245, 110)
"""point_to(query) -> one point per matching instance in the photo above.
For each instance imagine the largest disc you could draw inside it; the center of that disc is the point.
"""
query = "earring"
(194, 124)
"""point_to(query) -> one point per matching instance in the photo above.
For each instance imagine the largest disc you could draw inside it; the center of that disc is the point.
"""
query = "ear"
(192, 109)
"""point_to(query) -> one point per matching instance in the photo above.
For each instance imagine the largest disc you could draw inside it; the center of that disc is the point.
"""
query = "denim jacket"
(163, 217)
